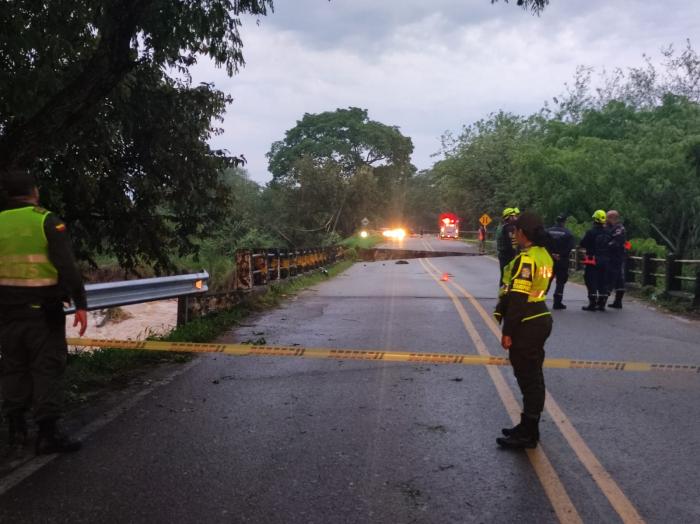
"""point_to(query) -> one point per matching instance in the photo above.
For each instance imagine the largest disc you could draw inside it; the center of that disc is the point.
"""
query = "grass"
(91, 373)
(358, 242)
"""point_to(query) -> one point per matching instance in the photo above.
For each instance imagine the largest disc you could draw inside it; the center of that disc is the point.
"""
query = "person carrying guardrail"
(37, 274)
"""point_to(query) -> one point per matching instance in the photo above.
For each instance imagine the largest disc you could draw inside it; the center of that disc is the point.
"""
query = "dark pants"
(616, 275)
(503, 262)
(34, 353)
(596, 278)
(561, 274)
(526, 356)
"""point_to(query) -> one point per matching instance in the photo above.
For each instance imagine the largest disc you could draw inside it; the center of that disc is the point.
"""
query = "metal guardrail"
(125, 292)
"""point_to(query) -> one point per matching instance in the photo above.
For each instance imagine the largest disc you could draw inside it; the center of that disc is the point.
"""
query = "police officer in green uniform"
(527, 323)
(37, 274)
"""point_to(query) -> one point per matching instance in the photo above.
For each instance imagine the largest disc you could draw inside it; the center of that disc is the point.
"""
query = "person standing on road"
(561, 245)
(37, 274)
(596, 243)
(527, 323)
(506, 245)
(616, 266)
(482, 239)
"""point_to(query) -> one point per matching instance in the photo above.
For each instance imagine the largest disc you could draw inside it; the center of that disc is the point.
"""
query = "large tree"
(342, 166)
(95, 98)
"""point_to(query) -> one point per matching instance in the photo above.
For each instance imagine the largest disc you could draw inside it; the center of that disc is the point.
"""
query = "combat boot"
(602, 302)
(17, 430)
(592, 306)
(509, 431)
(558, 302)
(525, 435)
(51, 440)
(617, 304)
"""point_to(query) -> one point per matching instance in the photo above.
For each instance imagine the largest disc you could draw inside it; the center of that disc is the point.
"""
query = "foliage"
(591, 152)
(334, 168)
(95, 98)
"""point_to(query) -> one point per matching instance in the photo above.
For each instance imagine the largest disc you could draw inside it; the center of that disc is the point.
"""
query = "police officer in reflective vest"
(595, 272)
(527, 323)
(561, 245)
(618, 253)
(37, 274)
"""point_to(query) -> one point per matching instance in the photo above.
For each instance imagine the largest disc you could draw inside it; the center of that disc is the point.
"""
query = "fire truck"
(448, 225)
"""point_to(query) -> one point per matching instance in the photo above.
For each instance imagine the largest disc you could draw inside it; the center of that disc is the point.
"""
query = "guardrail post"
(696, 298)
(672, 271)
(648, 279)
(629, 267)
(183, 313)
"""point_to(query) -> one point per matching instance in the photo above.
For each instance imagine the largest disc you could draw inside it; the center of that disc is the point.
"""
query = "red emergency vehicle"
(448, 225)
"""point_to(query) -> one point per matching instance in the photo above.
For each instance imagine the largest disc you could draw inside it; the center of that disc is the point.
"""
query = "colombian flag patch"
(61, 227)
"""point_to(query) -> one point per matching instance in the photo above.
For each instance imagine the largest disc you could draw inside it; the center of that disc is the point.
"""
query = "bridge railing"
(674, 276)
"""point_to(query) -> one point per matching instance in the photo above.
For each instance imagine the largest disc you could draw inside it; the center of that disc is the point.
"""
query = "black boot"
(558, 302)
(51, 440)
(617, 304)
(17, 430)
(602, 302)
(524, 435)
(509, 431)
(592, 306)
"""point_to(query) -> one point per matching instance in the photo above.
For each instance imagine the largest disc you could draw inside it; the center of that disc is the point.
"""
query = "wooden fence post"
(648, 279)
(672, 271)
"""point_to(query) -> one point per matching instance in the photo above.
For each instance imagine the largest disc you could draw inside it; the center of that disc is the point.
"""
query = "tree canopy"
(338, 167)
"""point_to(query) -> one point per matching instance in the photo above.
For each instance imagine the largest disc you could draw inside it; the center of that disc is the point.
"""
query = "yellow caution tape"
(246, 350)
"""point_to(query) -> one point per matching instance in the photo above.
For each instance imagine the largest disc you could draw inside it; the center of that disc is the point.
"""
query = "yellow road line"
(619, 501)
(553, 487)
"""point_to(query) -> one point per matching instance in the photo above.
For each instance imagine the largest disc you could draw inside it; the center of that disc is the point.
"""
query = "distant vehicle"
(449, 225)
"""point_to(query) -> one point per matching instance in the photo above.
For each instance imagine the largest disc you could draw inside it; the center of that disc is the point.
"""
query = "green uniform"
(37, 273)
(526, 319)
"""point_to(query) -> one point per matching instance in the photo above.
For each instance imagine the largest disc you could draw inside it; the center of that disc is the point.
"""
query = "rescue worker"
(616, 267)
(562, 242)
(527, 323)
(596, 261)
(37, 274)
(506, 245)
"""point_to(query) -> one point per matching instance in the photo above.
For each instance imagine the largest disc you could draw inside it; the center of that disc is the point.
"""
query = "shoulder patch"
(61, 227)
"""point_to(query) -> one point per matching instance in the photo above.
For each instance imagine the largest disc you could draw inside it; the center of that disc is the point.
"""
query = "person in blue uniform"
(560, 248)
(595, 273)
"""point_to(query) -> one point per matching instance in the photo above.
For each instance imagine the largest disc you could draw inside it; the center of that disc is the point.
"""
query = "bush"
(642, 246)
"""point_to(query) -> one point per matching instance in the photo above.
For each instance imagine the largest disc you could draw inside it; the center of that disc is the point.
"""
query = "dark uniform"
(37, 273)
(616, 265)
(506, 245)
(528, 322)
(562, 243)
(596, 243)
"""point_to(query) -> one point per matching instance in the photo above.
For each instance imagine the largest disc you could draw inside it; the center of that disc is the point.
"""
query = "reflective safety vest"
(24, 250)
(529, 273)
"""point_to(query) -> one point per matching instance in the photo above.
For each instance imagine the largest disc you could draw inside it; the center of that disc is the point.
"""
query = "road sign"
(364, 222)
(485, 220)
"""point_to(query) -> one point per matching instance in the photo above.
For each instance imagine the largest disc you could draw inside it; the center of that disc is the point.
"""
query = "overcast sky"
(426, 66)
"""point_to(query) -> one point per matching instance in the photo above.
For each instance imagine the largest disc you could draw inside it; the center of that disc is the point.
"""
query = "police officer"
(527, 323)
(37, 274)
(616, 266)
(596, 243)
(560, 247)
(506, 245)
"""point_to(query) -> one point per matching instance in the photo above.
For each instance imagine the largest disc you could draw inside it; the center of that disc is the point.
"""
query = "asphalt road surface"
(281, 440)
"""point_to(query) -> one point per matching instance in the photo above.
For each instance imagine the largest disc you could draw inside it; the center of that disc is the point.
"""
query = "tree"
(95, 98)
(340, 166)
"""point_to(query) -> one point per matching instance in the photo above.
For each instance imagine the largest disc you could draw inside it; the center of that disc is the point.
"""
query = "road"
(306, 441)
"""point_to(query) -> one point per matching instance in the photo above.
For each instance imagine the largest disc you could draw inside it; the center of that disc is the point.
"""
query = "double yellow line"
(555, 490)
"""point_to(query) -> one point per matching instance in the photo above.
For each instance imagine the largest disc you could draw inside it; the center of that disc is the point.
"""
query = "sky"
(426, 66)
